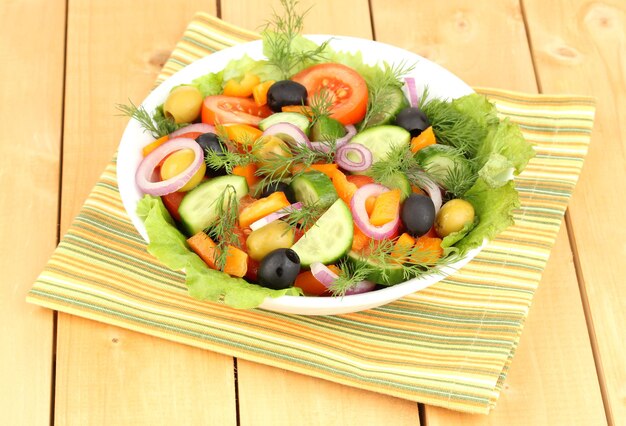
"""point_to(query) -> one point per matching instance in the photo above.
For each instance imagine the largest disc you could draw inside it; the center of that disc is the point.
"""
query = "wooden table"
(66, 64)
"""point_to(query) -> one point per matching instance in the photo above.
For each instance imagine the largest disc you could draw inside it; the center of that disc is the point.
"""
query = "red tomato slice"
(347, 89)
(172, 202)
(229, 109)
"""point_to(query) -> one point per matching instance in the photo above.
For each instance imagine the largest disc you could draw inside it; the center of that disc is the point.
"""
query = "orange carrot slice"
(403, 247)
(429, 250)
(205, 247)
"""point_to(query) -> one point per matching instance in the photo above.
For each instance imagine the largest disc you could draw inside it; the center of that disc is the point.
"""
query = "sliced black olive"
(284, 93)
(279, 269)
(210, 142)
(413, 120)
(418, 214)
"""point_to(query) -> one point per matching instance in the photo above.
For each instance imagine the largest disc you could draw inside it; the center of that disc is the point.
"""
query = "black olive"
(413, 120)
(279, 187)
(210, 142)
(284, 93)
(279, 269)
(418, 214)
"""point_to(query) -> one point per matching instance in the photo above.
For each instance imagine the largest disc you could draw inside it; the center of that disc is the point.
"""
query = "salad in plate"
(314, 173)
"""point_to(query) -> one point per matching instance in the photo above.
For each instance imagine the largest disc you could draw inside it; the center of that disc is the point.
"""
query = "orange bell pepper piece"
(345, 189)
(249, 172)
(243, 135)
(243, 88)
(403, 247)
(386, 207)
(429, 250)
(427, 137)
(259, 92)
(263, 207)
(154, 145)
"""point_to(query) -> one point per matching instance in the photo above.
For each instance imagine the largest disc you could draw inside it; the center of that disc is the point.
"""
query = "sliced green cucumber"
(329, 239)
(393, 97)
(441, 160)
(199, 208)
(380, 140)
(314, 187)
(399, 181)
(298, 120)
(326, 128)
(380, 274)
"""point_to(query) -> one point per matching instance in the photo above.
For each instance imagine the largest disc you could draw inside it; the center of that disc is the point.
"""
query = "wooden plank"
(316, 401)
(579, 47)
(460, 36)
(106, 375)
(31, 104)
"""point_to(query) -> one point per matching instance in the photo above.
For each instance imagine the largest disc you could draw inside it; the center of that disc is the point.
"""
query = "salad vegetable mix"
(312, 173)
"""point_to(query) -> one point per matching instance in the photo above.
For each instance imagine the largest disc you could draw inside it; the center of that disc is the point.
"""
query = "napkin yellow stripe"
(448, 345)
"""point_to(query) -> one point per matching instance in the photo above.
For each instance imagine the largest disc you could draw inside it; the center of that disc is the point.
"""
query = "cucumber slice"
(329, 239)
(380, 140)
(399, 181)
(313, 186)
(199, 208)
(326, 128)
(294, 118)
(395, 100)
(381, 274)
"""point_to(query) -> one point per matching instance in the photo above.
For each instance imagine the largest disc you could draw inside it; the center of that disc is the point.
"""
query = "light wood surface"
(106, 375)
(31, 105)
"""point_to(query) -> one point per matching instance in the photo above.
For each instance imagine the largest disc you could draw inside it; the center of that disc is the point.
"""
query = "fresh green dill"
(459, 180)
(349, 276)
(279, 34)
(157, 124)
(452, 127)
(276, 165)
(380, 94)
(320, 105)
(398, 160)
(221, 230)
(306, 217)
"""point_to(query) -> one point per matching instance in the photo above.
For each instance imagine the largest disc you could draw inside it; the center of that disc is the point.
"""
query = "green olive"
(183, 104)
(453, 216)
(274, 235)
(268, 148)
(176, 163)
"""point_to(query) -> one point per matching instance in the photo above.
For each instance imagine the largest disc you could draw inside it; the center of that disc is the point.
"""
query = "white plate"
(441, 84)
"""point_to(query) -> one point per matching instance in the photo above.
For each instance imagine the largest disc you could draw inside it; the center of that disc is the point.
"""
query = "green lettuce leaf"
(497, 171)
(170, 247)
(506, 139)
(494, 209)
(209, 84)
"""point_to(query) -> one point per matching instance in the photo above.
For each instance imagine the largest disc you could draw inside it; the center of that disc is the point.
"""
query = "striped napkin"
(448, 345)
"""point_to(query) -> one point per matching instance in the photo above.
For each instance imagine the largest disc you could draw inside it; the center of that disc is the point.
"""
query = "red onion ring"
(343, 160)
(197, 127)
(146, 168)
(290, 131)
(323, 146)
(327, 277)
(275, 216)
(350, 132)
(434, 192)
(361, 218)
(411, 87)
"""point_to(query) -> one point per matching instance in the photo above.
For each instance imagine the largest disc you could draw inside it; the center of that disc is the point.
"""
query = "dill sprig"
(306, 217)
(413, 261)
(157, 124)
(459, 180)
(398, 160)
(277, 166)
(320, 105)
(380, 99)
(452, 127)
(221, 230)
(279, 34)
